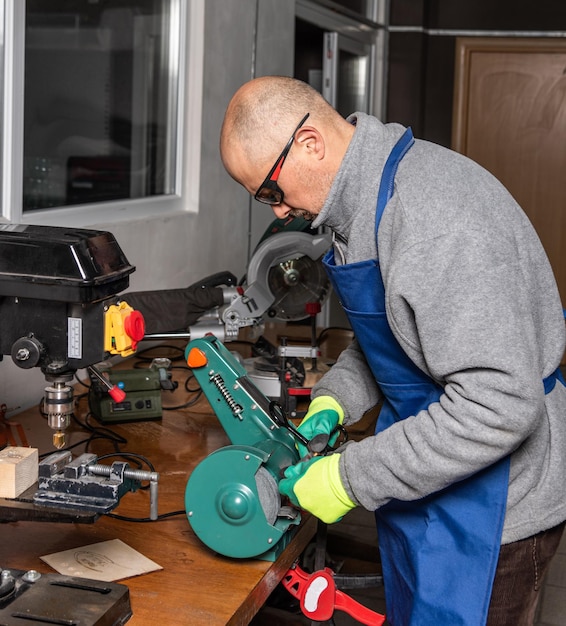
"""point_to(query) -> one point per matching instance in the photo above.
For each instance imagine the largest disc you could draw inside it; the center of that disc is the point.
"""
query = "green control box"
(142, 401)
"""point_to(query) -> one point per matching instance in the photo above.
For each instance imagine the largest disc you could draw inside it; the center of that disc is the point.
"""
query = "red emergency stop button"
(134, 325)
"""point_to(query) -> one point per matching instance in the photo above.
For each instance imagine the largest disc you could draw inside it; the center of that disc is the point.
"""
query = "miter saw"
(284, 276)
(285, 281)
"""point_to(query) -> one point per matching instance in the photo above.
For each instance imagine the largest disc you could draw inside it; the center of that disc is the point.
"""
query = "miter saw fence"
(278, 374)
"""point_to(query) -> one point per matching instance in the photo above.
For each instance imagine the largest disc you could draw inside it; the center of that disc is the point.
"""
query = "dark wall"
(421, 60)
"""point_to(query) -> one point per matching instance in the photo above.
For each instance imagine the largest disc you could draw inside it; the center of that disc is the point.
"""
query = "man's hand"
(323, 416)
(315, 486)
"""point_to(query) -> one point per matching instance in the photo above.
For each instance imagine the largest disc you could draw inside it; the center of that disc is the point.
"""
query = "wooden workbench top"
(195, 586)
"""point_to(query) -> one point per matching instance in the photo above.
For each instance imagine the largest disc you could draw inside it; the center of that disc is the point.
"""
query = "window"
(359, 8)
(341, 53)
(95, 112)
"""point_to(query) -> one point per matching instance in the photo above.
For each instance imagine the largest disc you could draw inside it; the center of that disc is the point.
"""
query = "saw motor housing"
(232, 497)
(283, 277)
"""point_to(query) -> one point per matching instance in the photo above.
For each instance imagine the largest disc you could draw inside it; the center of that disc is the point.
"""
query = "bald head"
(263, 113)
(261, 118)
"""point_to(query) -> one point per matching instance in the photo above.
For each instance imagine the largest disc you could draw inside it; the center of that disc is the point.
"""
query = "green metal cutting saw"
(232, 498)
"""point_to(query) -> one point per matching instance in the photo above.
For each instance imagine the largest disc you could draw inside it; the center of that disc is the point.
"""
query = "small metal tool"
(320, 444)
(28, 597)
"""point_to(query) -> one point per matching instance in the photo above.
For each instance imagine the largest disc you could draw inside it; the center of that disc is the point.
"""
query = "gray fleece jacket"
(472, 300)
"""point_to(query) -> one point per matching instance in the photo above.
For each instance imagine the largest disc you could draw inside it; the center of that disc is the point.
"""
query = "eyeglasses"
(269, 191)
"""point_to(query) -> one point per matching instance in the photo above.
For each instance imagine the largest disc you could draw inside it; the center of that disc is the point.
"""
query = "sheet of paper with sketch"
(107, 561)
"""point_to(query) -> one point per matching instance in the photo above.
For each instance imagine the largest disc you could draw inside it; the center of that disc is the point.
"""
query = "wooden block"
(18, 470)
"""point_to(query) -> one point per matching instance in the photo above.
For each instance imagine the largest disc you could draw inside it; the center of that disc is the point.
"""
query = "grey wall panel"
(275, 44)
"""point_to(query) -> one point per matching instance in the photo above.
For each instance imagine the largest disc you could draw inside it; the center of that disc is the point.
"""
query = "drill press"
(59, 309)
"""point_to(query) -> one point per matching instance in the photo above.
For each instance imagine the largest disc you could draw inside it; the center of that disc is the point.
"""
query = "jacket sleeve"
(351, 383)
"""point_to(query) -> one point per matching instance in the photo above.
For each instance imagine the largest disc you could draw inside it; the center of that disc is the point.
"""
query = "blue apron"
(439, 554)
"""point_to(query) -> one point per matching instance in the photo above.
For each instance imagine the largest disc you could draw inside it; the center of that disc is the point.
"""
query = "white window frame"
(187, 63)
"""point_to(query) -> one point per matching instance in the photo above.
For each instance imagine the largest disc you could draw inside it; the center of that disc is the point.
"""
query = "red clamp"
(319, 597)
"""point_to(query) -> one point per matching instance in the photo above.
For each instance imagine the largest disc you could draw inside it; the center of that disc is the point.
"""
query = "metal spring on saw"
(221, 386)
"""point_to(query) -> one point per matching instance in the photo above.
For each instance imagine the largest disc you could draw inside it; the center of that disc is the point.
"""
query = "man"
(459, 331)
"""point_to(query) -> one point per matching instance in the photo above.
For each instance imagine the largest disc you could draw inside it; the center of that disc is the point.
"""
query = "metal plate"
(58, 599)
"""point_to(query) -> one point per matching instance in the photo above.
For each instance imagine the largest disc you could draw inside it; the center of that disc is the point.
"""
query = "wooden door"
(510, 116)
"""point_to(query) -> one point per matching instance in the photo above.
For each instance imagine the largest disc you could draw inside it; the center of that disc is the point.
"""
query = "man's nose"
(281, 210)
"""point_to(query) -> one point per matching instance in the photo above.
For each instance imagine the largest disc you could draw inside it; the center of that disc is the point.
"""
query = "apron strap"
(550, 381)
(388, 176)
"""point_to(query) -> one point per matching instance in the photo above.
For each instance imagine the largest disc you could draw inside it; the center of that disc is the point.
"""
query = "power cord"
(160, 518)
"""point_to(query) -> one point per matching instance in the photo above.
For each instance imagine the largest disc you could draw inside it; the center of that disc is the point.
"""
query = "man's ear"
(309, 139)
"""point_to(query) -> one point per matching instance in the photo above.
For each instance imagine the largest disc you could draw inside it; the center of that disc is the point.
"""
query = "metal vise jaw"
(82, 483)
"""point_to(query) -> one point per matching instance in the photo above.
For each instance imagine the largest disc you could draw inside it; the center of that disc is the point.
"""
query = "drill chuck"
(58, 401)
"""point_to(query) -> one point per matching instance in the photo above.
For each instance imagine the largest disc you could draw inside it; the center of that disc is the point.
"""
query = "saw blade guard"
(289, 267)
(234, 507)
(285, 274)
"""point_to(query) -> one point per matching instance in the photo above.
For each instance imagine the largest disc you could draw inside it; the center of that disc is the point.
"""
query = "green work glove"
(315, 486)
(323, 416)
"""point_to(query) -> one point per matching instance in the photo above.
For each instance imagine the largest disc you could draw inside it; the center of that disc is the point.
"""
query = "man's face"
(304, 190)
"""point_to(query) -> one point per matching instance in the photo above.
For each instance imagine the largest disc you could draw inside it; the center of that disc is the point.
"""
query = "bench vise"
(84, 484)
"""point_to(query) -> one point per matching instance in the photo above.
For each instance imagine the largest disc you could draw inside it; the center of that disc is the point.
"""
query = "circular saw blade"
(295, 283)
